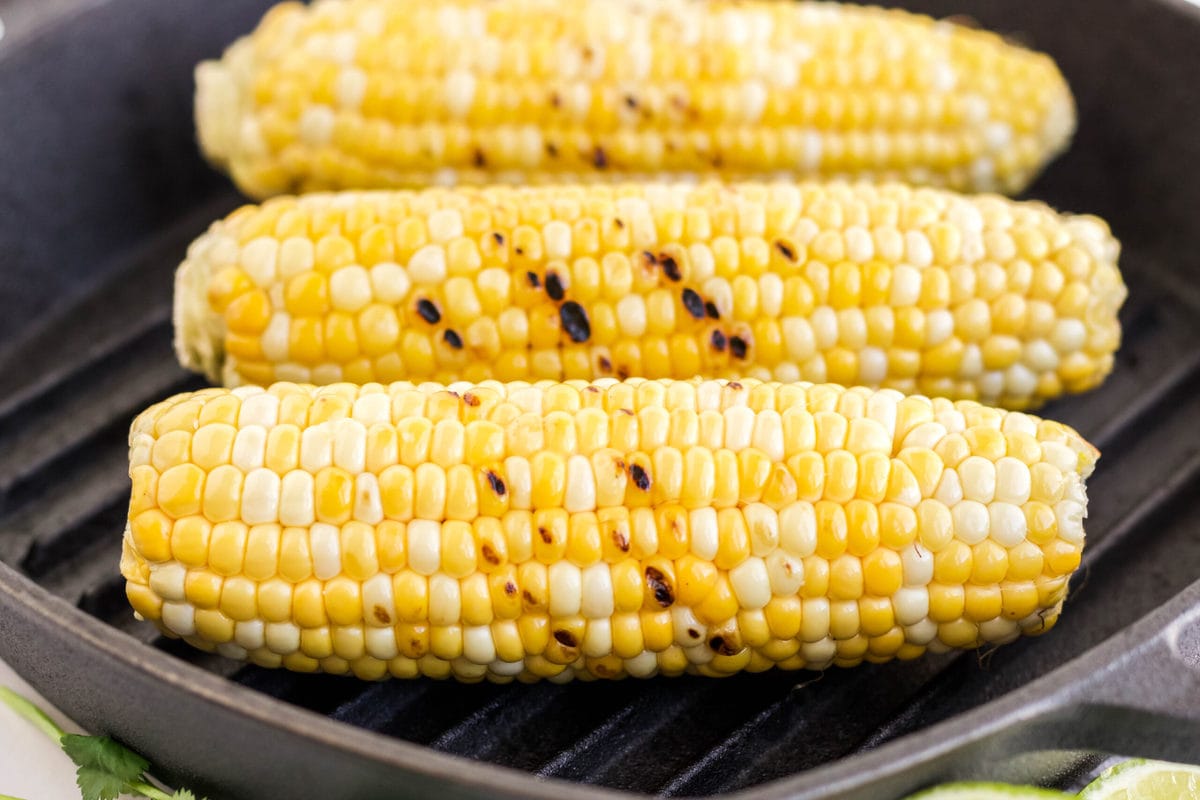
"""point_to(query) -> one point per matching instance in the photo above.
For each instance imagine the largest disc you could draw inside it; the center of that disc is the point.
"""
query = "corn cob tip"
(199, 333)
(227, 131)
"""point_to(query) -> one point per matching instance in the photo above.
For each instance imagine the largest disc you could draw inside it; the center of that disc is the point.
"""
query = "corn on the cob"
(596, 530)
(401, 93)
(923, 290)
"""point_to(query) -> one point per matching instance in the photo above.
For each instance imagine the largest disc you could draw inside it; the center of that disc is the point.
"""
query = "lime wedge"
(1145, 780)
(987, 791)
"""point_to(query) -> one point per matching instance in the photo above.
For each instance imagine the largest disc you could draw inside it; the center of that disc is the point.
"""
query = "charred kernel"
(640, 479)
(453, 339)
(737, 346)
(533, 279)
(630, 101)
(478, 159)
(552, 149)
(621, 541)
(428, 311)
(489, 554)
(565, 638)
(670, 267)
(470, 400)
(659, 587)
(620, 223)
(575, 321)
(604, 364)
(498, 238)
(547, 537)
(721, 646)
(510, 588)
(496, 483)
(692, 632)
(599, 158)
(693, 303)
(785, 250)
(556, 100)
(718, 341)
(554, 286)
(649, 259)
(382, 615)
(710, 308)
(528, 597)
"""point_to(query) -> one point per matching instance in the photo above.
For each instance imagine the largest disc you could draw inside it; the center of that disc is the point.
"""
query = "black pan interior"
(101, 189)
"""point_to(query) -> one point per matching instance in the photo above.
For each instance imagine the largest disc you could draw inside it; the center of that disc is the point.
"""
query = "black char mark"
(554, 286)
(659, 587)
(737, 346)
(428, 311)
(497, 483)
(575, 322)
(693, 303)
(640, 479)
(718, 341)
(453, 339)
(670, 267)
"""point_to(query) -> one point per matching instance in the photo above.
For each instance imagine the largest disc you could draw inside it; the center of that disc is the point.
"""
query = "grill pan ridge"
(101, 188)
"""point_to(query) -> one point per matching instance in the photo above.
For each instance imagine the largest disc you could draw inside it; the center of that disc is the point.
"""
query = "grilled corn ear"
(595, 530)
(921, 290)
(402, 93)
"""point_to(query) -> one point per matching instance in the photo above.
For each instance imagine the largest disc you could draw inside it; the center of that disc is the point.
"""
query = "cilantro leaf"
(103, 753)
(106, 768)
(96, 784)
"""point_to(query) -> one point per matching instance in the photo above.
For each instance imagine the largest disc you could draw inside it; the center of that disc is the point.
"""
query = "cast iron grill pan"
(100, 191)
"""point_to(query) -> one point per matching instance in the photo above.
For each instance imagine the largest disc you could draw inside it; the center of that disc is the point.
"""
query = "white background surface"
(32, 767)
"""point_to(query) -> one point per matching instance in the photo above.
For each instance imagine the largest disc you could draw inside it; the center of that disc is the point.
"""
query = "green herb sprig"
(106, 768)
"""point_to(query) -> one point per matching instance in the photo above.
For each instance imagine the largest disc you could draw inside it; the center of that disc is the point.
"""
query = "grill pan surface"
(101, 188)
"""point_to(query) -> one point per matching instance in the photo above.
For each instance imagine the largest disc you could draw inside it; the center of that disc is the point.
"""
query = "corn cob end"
(199, 333)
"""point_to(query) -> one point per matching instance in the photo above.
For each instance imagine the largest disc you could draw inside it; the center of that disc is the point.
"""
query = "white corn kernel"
(368, 506)
(325, 542)
(1007, 524)
(180, 618)
(316, 447)
(167, 580)
(750, 582)
(978, 478)
(445, 600)
(478, 645)
(424, 546)
(971, 521)
(581, 485)
(597, 592)
(1070, 516)
(1012, 481)
(350, 288)
(296, 499)
(704, 532)
(282, 637)
(597, 638)
(917, 565)
(428, 265)
(261, 497)
(566, 589)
